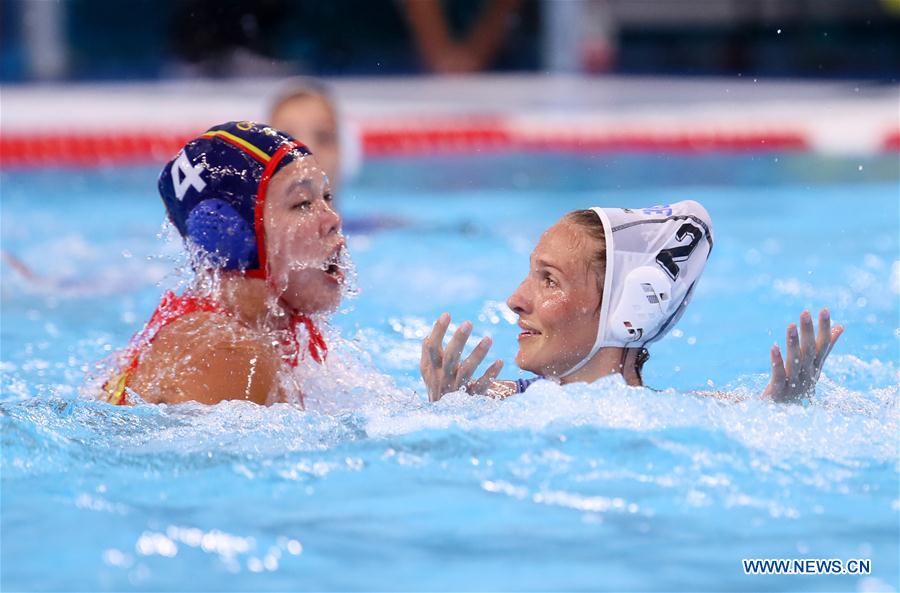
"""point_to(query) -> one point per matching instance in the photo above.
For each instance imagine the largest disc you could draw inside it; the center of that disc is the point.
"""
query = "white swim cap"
(654, 257)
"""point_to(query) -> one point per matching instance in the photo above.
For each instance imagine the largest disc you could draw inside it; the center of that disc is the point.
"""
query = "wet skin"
(209, 357)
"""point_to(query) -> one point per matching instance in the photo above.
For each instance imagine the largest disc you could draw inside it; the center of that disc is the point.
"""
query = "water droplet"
(294, 547)
(778, 31)
(254, 564)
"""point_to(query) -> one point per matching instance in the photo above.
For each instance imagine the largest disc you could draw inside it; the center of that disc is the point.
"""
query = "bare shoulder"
(207, 357)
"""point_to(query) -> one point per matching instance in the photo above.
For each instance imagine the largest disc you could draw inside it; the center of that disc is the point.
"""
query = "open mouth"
(527, 331)
(332, 266)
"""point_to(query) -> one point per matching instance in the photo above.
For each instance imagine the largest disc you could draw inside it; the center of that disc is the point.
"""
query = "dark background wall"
(147, 39)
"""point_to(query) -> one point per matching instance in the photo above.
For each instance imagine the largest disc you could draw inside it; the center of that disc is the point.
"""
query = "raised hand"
(441, 368)
(806, 354)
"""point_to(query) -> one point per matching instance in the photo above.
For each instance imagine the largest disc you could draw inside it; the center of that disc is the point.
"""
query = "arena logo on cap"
(190, 176)
(663, 209)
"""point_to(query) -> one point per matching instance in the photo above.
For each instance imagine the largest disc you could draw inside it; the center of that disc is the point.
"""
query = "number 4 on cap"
(190, 176)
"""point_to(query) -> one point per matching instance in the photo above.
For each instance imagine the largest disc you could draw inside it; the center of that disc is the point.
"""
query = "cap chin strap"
(259, 208)
(604, 299)
(316, 346)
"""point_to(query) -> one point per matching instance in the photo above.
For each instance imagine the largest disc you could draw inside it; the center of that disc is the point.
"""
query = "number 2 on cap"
(667, 258)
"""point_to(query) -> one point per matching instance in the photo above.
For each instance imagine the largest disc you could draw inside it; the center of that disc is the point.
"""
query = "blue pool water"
(598, 487)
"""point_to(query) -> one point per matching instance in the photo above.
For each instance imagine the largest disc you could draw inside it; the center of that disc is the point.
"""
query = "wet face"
(303, 238)
(311, 120)
(558, 303)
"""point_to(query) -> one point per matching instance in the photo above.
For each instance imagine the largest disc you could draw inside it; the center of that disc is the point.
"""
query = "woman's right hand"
(441, 369)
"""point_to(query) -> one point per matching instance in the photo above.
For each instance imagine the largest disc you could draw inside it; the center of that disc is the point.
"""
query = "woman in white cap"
(603, 284)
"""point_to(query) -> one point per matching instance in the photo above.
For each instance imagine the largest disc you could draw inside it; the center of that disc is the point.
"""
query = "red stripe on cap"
(259, 209)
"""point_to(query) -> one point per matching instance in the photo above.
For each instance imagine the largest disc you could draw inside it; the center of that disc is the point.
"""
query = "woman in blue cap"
(604, 284)
(256, 215)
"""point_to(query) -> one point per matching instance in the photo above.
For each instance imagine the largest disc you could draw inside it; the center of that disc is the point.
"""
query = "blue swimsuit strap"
(523, 384)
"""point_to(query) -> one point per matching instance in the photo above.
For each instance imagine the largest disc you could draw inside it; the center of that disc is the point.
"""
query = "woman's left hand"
(806, 354)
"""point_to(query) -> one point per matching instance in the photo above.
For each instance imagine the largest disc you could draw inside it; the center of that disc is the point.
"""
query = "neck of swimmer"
(249, 300)
(609, 361)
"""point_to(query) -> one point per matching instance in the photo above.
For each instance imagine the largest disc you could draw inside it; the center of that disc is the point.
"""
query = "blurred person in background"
(306, 108)
(440, 50)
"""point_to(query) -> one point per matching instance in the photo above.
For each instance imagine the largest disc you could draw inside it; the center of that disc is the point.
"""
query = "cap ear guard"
(643, 306)
(217, 228)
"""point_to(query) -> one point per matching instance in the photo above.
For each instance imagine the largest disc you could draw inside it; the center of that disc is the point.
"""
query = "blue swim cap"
(215, 188)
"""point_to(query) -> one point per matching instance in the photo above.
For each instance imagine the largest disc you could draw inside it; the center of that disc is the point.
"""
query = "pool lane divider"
(93, 148)
(892, 142)
(425, 142)
(89, 149)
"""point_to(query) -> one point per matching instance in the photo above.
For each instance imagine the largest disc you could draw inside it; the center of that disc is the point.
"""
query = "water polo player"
(305, 108)
(255, 212)
(603, 284)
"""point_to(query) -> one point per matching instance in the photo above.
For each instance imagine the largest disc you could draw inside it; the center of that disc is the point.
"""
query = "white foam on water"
(348, 398)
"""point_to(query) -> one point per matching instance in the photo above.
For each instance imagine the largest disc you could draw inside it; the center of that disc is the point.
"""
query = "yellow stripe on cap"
(257, 153)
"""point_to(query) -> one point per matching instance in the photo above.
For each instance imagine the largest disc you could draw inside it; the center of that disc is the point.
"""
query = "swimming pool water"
(599, 487)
